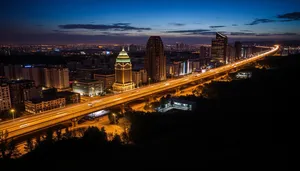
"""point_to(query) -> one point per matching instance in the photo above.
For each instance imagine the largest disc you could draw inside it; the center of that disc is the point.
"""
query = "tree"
(58, 134)
(29, 146)
(163, 101)
(81, 131)
(68, 134)
(49, 136)
(117, 139)
(38, 140)
(94, 135)
(125, 137)
(8, 148)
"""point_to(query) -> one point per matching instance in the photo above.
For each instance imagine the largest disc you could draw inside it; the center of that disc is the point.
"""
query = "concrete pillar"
(150, 99)
(74, 122)
(122, 108)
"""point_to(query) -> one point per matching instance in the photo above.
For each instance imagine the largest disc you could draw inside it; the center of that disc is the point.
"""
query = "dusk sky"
(133, 21)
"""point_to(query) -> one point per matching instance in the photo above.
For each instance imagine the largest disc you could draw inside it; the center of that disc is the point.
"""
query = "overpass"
(25, 125)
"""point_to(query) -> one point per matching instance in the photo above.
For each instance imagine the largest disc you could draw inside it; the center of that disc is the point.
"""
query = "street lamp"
(13, 113)
(149, 79)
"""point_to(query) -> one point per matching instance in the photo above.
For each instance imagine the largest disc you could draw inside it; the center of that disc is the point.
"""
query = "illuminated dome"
(123, 57)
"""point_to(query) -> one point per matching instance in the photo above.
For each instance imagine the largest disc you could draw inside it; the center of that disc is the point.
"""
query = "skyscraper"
(218, 48)
(123, 73)
(155, 60)
(238, 50)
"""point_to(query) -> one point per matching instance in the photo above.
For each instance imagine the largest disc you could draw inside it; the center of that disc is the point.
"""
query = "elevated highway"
(25, 125)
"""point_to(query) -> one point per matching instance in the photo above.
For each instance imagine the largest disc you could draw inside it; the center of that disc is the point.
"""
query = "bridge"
(28, 124)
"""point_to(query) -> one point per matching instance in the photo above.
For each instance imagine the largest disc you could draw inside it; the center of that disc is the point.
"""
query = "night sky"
(133, 21)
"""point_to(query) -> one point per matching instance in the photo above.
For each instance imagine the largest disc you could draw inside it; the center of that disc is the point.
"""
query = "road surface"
(24, 125)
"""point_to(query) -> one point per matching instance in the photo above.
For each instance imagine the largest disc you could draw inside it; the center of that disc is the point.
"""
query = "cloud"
(61, 31)
(242, 34)
(246, 30)
(287, 17)
(293, 16)
(278, 34)
(188, 31)
(216, 26)
(203, 33)
(234, 25)
(259, 21)
(103, 27)
(177, 24)
(121, 24)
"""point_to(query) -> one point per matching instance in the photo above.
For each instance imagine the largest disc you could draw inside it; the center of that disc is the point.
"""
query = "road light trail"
(23, 125)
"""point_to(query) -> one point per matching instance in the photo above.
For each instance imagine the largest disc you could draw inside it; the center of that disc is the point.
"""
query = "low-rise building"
(139, 77)
(71, 97)
(106, 79)
(44, 104)
(88, 87)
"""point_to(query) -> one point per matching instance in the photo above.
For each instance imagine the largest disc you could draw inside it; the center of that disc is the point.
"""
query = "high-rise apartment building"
(13, 72)
(57, 77)
(123, 73)
(5, 101)
(155, 60)
(205, 52)
(230, 54)
(18, 91)
(238, 50)
(33, 73)
(218, 48)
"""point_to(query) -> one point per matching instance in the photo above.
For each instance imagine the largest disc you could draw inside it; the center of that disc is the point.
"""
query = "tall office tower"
(57, 77)
(5, 101)
(238, 50)
(155, 60)
(218, 48)
(123, 73)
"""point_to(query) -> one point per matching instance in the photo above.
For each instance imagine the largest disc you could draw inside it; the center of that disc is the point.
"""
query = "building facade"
(88, 87)
(123, 73)
(71, 97)
(230, 54)
(13, 72)
(218, 48)
(33, 73)
(57, 78)
(107, 80)
(205, 52)
(41, 105)
(18, 91)
(5, 101)
(238, 50)
(155, 60)
(139, 77)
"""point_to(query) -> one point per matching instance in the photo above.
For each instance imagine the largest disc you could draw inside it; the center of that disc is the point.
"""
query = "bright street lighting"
(13, 113)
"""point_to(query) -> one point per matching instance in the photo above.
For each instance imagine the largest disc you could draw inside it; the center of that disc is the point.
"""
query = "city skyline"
(95, 21)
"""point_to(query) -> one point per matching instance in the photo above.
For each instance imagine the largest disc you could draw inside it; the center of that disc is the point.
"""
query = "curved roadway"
(24, 125)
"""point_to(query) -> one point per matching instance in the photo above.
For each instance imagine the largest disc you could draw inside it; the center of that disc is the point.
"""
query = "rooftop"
(123, 57)
(39, 100)
(87, 81)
